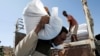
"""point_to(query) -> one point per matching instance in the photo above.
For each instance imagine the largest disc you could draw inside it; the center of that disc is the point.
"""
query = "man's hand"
(44, 20)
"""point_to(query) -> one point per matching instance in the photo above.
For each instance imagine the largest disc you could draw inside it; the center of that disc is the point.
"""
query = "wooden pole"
(89, 23)
(88, 19)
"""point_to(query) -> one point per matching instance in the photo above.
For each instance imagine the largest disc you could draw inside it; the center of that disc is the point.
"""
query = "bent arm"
(44, 20)
(70, 25)
(70, 22)
(28, 43)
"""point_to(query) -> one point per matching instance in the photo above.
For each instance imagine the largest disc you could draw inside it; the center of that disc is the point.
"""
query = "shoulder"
(70, 17)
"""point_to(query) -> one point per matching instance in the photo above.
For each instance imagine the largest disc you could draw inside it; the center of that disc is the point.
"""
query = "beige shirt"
(27, 45)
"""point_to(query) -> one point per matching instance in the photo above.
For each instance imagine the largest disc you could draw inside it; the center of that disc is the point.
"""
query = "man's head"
(97, 37)
(59, 39)
(65, 13)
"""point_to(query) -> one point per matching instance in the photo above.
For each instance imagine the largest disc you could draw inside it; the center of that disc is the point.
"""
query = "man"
(25, 47)
(38, 26)
(28, 44)
(73, 26)
(60, 37)
(97, 43)
(44, 46)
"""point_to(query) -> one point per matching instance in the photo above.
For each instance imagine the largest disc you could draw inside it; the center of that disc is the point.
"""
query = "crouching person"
(44, 46)
(27, 46)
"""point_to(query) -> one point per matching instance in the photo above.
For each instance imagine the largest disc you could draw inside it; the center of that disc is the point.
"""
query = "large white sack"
(82, 33)
(82, 30)
(82, 26)
(32, 14)
(53, 28)
(34, 8)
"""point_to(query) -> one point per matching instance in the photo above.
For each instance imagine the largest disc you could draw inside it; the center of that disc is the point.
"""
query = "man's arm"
(44, 20)
(69, 26)
(70, 23)
(28, 43)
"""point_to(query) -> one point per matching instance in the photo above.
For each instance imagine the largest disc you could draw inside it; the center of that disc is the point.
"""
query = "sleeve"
(26, 45)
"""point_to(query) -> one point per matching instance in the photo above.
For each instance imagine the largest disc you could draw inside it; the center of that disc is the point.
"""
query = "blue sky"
(11, 10)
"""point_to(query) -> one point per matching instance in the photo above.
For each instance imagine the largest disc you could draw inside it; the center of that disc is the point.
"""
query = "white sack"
(53, 28)
(82, 26)
(34, 8)
(82, 33)
(32, 15)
